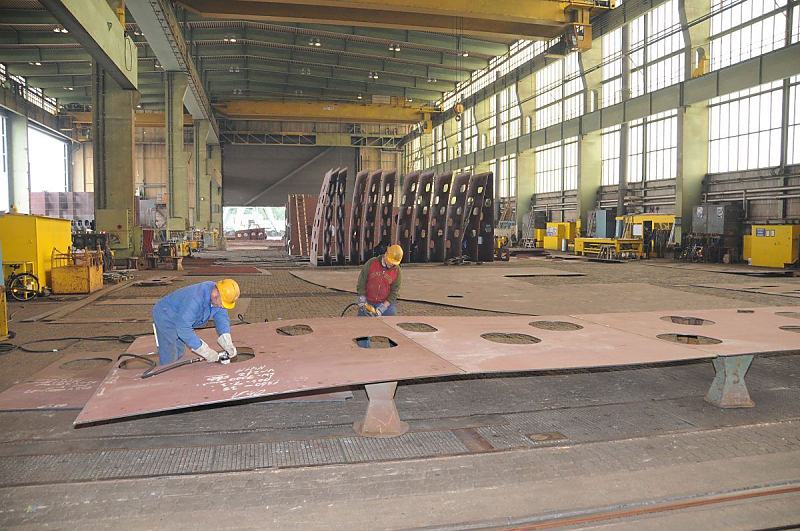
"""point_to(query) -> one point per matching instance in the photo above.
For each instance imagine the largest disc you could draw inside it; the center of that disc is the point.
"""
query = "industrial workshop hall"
(400, 264)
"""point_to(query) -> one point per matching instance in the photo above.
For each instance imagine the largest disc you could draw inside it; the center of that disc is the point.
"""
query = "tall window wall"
(4, 176)
(557, 166)
(657, 49)
(439, 145)
(611, 90)
(610, 139)
(507, 176)
(559, 92)
(745, 127)
(793, 144)
(470, 131)
(510, 114)
(653, 148)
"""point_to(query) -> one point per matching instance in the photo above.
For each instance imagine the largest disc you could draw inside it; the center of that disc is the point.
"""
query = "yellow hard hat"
(228, 292)
(394, 255)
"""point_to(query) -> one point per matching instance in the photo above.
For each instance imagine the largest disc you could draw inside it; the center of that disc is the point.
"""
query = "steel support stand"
(728, 390)
(382, 418)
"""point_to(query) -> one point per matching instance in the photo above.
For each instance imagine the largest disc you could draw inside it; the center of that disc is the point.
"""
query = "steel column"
(382, 418)
(728, 390)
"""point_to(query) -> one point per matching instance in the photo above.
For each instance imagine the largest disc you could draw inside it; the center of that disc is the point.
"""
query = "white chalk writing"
(244, 383)
(57, 385)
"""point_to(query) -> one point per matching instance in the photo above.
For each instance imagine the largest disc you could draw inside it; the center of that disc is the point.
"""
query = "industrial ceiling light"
(139, 106)
(465, 54)
(373, 75)
(409, 100)
(233, 69)
(229, 38)
(158, 65)
(69, 88)
(305, 71)
(34, 63)
(314, 41)
(298, 92)
(394, 47)
(432, 80)
(360, 97)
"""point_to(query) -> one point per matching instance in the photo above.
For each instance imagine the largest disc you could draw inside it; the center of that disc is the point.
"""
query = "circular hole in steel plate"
(374, 342)
(138, 363)
(510, 338)
(687, 320)
(243, 354)
(417, 327)
(689, 339)
(294, 330)
(561, 326)
(790, 328)
(793, 315)
(85, 364)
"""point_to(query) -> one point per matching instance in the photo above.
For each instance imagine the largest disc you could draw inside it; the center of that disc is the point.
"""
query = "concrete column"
(692, 125)
(113, 159)
(526, 183)
(215, 192)
(19, 193)
(589, 175)
(202, 178)
(177, 173)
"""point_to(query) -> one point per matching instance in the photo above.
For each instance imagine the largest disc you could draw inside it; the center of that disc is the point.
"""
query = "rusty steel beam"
(478, 229)
(456, 213)
(316, 253)
(357, 217)
(438, 225)
(388, 181)
(341, 188)
(421, 220)
(405, 229)
(370, 214)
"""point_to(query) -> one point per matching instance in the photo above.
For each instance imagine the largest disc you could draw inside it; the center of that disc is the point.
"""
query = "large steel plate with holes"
(64, 384)
(533, 343)
(325, 358)
(727, 332)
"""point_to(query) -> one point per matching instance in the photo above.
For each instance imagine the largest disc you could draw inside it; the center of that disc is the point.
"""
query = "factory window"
(657, 49)
(416, 154)
(745, 129)
(510, 114)
(507, 176)
(653, 147)
(439, 145)
(470, 131)
(611, 44)
(559, 92)
(793, 145)
(610, 146)
(557, 166)
(4, 177)
(492, 120)
(48, 162)
(744, 29)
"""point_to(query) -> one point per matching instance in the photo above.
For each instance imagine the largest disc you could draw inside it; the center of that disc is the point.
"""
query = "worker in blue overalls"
(177, 315)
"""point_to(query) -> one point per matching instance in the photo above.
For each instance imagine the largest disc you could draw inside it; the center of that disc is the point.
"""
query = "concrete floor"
(572, 448)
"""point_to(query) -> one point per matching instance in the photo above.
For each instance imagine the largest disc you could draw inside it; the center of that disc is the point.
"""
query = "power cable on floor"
(26, 347)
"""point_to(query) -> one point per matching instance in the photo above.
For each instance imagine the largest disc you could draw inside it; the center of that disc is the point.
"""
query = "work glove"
(207, 352)
(362, 302)
(382, 308)
(226, 342)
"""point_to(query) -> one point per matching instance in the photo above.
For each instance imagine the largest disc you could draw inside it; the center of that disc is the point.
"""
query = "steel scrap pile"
(437, 218)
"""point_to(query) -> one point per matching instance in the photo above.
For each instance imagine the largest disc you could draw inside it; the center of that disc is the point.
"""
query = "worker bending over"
(379, 284)
(177, 315)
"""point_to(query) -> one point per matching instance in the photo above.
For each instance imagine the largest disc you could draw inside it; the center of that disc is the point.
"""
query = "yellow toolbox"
(773, 245)
(27, 238)
(77, 273)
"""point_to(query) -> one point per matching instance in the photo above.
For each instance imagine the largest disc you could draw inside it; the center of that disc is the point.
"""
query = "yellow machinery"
(77, 273)
(612, 247)
(557, 232)
(32, 239)
(633, 226)
(772, 245)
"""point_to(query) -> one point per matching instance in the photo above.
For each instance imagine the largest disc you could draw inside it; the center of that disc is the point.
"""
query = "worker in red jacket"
(379, 284)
